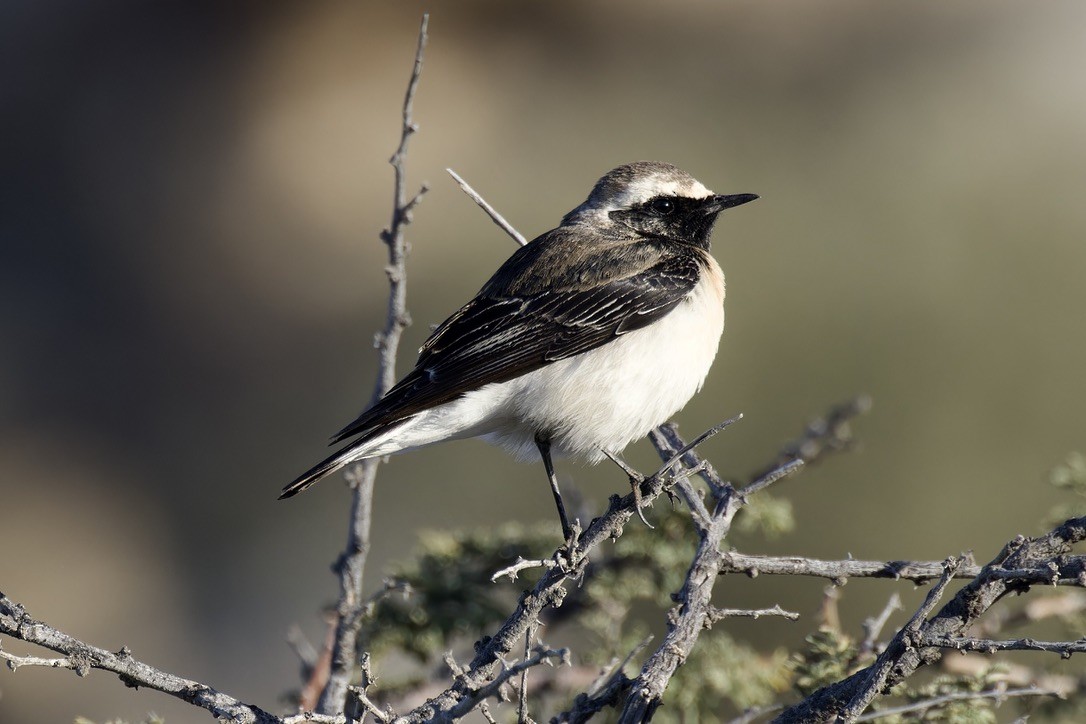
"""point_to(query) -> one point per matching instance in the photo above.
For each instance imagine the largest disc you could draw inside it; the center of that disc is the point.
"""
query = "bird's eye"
(662, 205)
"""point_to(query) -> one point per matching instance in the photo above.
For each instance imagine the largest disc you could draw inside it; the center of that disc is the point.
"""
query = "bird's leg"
(636, 479)
(544, 446)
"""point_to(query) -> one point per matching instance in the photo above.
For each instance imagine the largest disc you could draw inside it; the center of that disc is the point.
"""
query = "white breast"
(615, 394)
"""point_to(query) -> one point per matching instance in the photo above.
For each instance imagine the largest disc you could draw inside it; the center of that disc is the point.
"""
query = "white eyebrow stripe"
(642, 190)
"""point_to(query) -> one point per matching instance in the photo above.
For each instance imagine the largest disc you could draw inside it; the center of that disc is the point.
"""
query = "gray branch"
(876, 676)
(81, 658)
(990, 646)
(351, 564)
(718, 614)
(540, 655)
(1017, 567)
(490, 210)
(873, 626)
(694, 611)
(838, 571)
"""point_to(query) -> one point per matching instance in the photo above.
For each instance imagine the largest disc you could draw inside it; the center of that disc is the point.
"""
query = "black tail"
(325, 467)
(341, 458)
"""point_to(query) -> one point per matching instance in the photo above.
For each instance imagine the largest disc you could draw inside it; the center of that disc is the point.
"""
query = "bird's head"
(655, 199)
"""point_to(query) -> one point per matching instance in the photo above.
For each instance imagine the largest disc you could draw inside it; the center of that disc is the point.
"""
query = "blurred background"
(191, 279)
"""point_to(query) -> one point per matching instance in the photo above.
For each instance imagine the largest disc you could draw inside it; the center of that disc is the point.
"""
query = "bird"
(584, 340)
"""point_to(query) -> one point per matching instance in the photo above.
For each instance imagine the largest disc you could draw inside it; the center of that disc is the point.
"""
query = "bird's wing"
(496, 337)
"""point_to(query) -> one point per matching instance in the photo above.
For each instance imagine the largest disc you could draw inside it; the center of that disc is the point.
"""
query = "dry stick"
(837, 571)
(990, 646)
(1022, 555)
(879, 672)
(695, 611)
(718, 614)
(490, 210)
(542, 655)
(81, 658)
(873, 626)
(522, 695)
(522, 564)
(351, 564)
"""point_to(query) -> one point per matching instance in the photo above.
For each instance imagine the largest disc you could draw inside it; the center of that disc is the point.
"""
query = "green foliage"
(830, 656)
(449, 593)
(1070, 476)
(766, 516)
(723, 671)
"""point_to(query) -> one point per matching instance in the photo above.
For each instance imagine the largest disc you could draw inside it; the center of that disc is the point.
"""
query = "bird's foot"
(568, 554)
(636, 479)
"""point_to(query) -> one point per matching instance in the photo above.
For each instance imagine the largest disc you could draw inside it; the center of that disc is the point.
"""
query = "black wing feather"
(495, 338)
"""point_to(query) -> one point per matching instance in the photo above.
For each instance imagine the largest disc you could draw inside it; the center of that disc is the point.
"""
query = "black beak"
(716, 204)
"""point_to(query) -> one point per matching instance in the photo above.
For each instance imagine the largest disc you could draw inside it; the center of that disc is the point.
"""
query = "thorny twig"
(522, 564)
(838, 571)
(1025, 557)
(540, 655)
(873, 626)
(990, 646)
(877, 675)
(719, 614)
(352, 562)
(694, 611)
(81, 658)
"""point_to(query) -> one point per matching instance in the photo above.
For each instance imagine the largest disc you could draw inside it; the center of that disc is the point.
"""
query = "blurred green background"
(191, 278)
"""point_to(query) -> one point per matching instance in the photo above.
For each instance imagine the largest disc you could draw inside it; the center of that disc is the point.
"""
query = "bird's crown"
(635, 183)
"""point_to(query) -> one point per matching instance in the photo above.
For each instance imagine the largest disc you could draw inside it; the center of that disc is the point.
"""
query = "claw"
(636, 479)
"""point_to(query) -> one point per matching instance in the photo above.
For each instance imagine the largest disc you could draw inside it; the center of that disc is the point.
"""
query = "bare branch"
(694, 611)
(305, 651)
(1028, 557)
(15, 662)
(541, 655)
(921, 706)
(827, 434)
(837, 571)
(877, 675)
(490, 210)
(990, 646)
(717, 614)
(522, 564)
(771, 476)
(686, 449)
(82, 657)
(873, 626)
(351, 565)
(522, 695)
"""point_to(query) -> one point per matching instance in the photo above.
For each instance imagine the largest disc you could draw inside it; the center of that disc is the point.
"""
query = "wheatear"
(583, 341)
